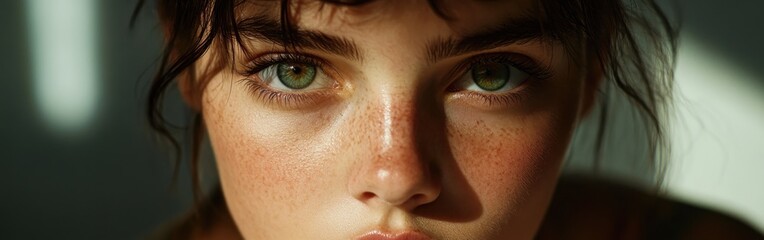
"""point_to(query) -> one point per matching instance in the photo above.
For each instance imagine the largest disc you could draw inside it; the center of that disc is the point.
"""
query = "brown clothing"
(585, 208)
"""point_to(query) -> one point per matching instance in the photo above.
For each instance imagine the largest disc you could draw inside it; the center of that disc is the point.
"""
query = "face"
(390, 121)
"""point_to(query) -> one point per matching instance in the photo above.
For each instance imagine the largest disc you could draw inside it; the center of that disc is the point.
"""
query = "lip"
(402, 235)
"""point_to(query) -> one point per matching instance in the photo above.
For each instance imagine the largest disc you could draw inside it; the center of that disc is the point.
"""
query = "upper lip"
(399, 235)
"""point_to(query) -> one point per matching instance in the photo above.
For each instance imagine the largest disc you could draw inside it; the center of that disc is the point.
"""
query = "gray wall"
(109, 181)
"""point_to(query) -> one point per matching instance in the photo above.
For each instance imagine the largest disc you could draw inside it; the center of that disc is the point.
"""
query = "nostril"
(402, 188)
(418, 198)
(367, 195)
(411, 200)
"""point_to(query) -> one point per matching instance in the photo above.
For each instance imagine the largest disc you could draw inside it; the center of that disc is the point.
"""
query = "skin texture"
(384, 144)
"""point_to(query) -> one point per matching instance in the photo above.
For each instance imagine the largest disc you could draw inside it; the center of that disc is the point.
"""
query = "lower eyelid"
(283, 99)
(257, 88)
(494, 100)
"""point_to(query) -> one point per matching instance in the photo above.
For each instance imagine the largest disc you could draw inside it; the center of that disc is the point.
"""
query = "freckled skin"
(392, 150)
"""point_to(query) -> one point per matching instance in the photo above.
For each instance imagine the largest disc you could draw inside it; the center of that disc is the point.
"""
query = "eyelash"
(266, 61)
(535, 71)
(521, 62)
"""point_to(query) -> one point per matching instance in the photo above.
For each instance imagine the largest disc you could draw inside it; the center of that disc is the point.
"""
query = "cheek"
(246, 152)
(266, 165)
(505, 158)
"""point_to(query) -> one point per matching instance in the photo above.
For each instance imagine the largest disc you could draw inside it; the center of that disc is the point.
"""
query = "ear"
(592, 81)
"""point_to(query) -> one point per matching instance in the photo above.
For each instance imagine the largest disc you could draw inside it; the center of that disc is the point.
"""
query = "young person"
(412, 119)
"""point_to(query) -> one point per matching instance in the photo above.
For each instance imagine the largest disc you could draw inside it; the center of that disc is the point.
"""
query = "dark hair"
(633, 40)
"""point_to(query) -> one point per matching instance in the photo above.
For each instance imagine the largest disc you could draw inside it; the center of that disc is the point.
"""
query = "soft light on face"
(400, 129)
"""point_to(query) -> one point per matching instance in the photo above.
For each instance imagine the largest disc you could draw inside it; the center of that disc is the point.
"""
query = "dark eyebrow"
(265, 29)
(513, 31)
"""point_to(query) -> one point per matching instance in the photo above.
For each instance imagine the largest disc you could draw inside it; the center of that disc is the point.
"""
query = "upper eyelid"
(265, 60)
(538, 69)
(519, 61)
(304, 57)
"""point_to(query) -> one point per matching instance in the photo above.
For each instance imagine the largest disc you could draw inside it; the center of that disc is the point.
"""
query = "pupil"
(296, 70)
(487, 73)
(491, 76)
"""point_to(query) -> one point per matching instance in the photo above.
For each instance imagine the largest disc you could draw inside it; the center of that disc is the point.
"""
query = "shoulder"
(589, 208)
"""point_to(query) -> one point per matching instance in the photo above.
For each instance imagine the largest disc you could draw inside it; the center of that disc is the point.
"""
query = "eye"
(289, 81)
(291, 76)
(492, 76)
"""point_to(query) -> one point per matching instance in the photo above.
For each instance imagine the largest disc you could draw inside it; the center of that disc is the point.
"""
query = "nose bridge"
(397, 125)
(395, 154)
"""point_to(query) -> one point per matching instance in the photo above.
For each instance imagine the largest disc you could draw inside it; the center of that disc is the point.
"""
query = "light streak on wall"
(63, 43)
(718, 135)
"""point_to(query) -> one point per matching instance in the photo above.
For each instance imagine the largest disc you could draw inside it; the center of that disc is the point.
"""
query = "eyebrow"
(263, 28)
(268, 30)
(507, 33)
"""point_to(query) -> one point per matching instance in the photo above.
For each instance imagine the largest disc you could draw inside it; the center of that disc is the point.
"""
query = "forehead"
(406, 26)
(461, 17)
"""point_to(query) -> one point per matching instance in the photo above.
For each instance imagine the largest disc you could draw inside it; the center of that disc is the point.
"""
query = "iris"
(296, 75)
(491, 76)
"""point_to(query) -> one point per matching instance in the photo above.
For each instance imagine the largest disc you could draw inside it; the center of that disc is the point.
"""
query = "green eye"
(491, 76)
(296, 75)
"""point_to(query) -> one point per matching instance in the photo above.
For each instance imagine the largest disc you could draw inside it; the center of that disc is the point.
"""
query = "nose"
(400, 170)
